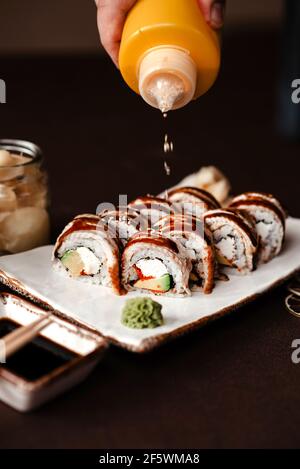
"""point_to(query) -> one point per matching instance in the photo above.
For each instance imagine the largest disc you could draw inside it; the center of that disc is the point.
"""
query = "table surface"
(232, 383)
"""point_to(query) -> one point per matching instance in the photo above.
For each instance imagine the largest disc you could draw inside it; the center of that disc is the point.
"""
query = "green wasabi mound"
(142, 313)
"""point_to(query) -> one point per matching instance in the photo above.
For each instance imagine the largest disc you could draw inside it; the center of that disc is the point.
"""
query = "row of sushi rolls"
(186, 240)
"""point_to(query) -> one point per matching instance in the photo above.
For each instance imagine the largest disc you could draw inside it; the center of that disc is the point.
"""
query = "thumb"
(213, 12)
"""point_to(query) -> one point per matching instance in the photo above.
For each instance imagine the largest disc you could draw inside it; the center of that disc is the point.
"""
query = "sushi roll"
(152, 208)
(86, 251)
(193, 200)
(157, 264)
(234, 238)
(268, 217)
(123, 223)
(192, 235)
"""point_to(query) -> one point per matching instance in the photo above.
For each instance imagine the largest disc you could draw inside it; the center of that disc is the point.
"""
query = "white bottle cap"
(167, 78)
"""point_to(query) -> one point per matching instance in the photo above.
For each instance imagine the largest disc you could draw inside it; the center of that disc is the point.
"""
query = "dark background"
(231, 384)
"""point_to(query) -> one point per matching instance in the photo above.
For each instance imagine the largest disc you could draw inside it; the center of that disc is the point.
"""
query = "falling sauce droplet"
(167, 168)
(168, 147)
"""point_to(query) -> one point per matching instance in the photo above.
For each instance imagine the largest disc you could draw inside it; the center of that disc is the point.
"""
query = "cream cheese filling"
(152, 268)
(91, 263)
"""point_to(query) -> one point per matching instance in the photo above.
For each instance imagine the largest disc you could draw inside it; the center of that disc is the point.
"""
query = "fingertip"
(114, 55)
(217, 15)
(205, 7)
(116, 62)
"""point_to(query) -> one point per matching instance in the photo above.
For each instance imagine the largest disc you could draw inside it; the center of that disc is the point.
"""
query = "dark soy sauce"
(36, 359)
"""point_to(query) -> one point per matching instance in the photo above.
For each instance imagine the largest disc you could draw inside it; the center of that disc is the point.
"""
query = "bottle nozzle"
(165, 90)
(167, 78)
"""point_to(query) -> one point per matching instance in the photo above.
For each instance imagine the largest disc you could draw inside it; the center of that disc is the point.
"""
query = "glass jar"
(24, 218)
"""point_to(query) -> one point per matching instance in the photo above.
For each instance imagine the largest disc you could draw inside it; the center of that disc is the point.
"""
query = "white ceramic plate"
(98, 309)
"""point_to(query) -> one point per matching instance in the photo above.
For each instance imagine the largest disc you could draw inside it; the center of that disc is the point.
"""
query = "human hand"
(112, 15)
(213, 12)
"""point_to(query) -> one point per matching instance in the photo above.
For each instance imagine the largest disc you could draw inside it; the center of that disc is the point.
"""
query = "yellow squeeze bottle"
(169, 54)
